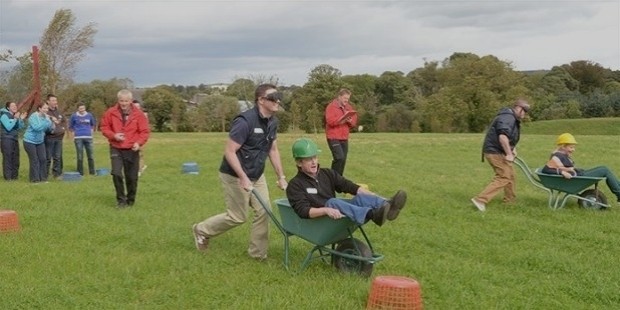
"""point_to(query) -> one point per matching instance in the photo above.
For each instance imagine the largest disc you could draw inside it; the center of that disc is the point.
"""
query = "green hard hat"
(304, 148)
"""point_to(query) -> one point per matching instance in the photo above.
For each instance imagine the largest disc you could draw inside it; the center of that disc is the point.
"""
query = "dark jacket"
(59, 130)
(506, 123)
(255, 149)
(305, 192)
(566, 162)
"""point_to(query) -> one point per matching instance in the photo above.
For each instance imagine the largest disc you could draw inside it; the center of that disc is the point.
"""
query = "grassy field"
(77, 251)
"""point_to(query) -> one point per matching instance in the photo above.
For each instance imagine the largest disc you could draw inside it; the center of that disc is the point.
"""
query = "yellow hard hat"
(566, 138)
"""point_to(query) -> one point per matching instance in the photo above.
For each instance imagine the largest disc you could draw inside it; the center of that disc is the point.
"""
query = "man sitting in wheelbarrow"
(312, 192)
(562, 163)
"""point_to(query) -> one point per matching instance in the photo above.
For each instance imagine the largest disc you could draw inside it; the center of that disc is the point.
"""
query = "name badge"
(311, 190)
(258, 130)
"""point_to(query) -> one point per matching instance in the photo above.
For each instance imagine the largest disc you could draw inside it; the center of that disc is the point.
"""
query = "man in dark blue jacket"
(499, 149)
(251, 141)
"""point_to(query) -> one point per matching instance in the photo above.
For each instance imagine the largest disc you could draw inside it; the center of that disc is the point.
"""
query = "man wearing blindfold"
(339, 118)
(500, 149)
(252, 138)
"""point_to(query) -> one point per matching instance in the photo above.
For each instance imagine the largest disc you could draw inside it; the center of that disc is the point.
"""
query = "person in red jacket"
(126, 129)
(339, 118)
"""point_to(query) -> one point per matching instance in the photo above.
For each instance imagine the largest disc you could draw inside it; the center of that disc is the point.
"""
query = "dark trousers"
(125, 167)
(37, 158)
(10, 158)
(54, 156)
(340, 149)
(82, 144)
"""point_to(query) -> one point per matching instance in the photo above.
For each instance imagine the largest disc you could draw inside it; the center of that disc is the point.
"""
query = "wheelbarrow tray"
(331, 238)
(574, 185)
(319, 231)
(560, 188)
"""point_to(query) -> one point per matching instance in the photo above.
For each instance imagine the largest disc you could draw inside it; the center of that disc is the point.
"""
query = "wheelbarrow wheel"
(592, 194)
(354, 247)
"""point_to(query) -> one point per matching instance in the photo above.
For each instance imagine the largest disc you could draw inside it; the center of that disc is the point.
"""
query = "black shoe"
(380, 214)
(397, 202)
(121, 205)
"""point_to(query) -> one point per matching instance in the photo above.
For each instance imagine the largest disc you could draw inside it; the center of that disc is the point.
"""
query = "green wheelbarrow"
(560, 188)
(332, 239)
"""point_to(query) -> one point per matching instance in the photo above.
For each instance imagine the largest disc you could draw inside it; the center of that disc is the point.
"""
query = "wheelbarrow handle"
(267, 209)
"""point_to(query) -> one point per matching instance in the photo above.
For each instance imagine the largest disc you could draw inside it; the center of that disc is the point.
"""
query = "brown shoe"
(380, 214)
(397, 202)
(202, 241)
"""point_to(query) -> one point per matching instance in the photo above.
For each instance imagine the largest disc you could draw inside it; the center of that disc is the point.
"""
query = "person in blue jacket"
(34, 142)
(12, 121)
(82, 124)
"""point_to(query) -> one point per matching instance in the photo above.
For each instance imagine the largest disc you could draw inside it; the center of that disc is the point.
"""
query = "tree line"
(461, 93)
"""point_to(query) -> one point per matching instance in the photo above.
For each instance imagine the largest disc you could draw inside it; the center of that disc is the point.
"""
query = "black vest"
(254, 151)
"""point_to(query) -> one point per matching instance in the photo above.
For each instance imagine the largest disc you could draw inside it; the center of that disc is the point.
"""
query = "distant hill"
(582, 126)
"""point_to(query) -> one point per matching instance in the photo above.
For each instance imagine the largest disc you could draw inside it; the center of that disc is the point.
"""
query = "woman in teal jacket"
(11, 121)
(38, 124)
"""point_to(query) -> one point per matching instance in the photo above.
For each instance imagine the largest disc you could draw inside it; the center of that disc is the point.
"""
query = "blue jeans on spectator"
(82, 144)
(36, 157)
(54, 156)
(357, 207)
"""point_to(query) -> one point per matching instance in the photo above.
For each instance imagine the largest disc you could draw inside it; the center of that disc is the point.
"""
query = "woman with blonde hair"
(561, 162)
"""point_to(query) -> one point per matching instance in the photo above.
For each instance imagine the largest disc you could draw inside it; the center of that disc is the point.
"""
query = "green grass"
(590, 126)
(76, 251)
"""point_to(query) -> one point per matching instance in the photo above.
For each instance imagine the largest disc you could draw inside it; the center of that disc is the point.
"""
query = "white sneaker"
(201, 241)
(481, 206)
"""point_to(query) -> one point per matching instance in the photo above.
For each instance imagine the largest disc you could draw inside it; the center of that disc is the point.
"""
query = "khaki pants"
(238, 202)
(504, 179)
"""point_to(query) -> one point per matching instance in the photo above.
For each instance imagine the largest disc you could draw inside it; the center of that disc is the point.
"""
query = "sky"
(192, 42)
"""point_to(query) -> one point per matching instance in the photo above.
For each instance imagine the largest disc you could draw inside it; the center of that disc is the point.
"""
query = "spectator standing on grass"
(39, 123)
(82, 125)
(12, 121)
(500, 149)
(143, 166)
(252, 138)
(127, 130)
(53, 139)
(337, 126)
(312, 192)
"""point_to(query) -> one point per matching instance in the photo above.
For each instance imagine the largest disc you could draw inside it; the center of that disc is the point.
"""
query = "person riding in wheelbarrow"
(312, 192)
(562, 163)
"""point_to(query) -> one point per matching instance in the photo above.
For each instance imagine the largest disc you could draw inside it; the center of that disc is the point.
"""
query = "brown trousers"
(504, 179)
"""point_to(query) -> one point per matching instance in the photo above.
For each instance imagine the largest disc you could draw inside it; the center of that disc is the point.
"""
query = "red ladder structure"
(34, 98)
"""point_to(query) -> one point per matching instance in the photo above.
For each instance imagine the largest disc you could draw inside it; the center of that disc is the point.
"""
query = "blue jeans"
(54, 154)
(357, 207)
(37, 159)
(80, 145)
(610, 178)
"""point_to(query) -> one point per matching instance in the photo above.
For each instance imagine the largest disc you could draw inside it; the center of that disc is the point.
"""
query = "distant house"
(221, 87)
